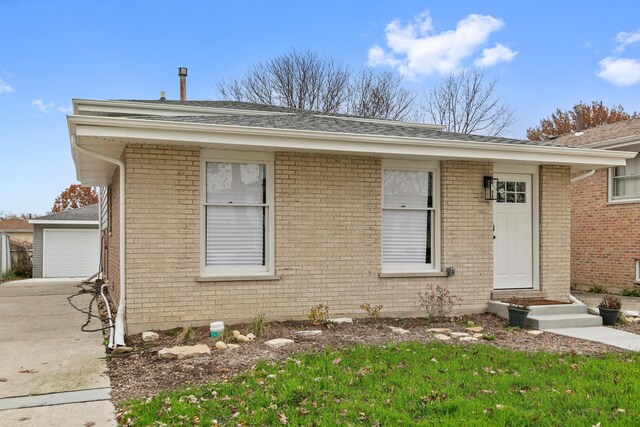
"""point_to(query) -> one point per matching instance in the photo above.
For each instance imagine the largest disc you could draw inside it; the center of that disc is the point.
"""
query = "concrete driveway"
(51, 373)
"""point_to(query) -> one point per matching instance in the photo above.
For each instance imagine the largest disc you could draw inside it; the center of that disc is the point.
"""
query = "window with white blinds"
(408, 220)
(236, 217)
(626, 180)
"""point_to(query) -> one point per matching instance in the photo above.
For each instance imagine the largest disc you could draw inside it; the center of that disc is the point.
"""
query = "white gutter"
(119, 327)
(62, 221)
(583, 176)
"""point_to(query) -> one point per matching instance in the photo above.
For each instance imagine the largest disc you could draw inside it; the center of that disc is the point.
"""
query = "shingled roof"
(15, 224)
(304, 120)
(603, 133)
(85, 213)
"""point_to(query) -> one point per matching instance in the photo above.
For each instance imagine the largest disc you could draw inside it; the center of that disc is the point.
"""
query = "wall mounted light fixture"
(490, 184)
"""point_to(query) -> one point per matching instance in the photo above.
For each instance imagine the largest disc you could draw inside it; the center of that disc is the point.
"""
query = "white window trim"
(419, 166)
(228, 156)
(638, 271)
(620, 200)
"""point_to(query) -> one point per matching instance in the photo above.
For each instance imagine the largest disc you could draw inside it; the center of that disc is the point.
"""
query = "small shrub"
(318, 314)
(259, 326)
(437, 302)
(630, 293)
(172, 332)
(187, 334)
(489, 337)
(227, 335)
(597, 290)
(611, 302)
(372, 311)
(518, 303)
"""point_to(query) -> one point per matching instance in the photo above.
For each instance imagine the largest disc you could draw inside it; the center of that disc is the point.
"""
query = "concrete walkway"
(610, 336)
(51, 373)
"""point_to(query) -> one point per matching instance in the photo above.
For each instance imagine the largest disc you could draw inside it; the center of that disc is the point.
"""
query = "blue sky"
(546, 54)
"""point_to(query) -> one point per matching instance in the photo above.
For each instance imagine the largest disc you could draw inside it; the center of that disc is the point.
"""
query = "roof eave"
(270, 139)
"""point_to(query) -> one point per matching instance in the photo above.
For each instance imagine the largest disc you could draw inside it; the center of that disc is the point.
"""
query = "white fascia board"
(268, 139)
(89, 106)
(63, 222)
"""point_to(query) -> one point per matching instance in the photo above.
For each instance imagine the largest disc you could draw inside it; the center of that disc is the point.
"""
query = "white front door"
(513, 232)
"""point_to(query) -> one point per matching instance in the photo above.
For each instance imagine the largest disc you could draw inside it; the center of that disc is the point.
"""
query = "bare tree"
(379, 95)
(306, 80)
(468, 103)
(301, 80)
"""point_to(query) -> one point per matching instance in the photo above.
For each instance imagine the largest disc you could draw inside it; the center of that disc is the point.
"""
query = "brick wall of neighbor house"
(111, 244)
(605, 238)
(555, 231)
(328, 231)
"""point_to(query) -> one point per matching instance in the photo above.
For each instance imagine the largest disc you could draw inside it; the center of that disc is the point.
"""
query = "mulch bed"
(143, 374)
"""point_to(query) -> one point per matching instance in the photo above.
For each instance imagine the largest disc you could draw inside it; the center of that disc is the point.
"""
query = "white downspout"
(583, 176)
(119, 327)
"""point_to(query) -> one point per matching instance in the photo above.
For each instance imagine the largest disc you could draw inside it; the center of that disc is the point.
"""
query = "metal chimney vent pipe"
(182, 72)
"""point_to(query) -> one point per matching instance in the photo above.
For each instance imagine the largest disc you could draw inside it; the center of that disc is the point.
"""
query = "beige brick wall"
(328, 236)
(555, 231)
(328, 221)
(111, 238)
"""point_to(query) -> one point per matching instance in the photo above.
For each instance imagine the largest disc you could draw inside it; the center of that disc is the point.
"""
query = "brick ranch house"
(605, 211)
(221, 210)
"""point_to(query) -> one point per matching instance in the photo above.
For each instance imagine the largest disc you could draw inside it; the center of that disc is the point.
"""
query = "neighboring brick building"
(232, 209)
(605, 211)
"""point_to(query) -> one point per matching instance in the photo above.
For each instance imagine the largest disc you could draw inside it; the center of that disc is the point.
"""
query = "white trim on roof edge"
(84, 106)
(62, 221)
(99, 130)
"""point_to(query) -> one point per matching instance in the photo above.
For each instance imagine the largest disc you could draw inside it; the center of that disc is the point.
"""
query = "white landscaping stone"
(150, 336)
(535, 333)
(468, 339)
(475, 329)
(442, 337)
(399, 330)
(341, 320)
(478, 336)
(279, 342)
(232, 346)
(221, 345)
(438, 330)
(310, 333)
(235, 333)
(251, 336)
(459, 334)
(183, 352)
(242, 338)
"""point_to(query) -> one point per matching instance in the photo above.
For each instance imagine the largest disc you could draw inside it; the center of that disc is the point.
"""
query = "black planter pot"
(518, 317)
(609, 315)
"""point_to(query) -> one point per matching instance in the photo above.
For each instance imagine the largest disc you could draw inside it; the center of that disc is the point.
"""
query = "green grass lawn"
(412, 384)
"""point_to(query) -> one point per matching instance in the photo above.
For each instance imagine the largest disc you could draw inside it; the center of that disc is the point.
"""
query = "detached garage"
(67, 244)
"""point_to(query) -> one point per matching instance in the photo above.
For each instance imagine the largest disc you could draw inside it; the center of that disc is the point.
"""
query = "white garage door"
(70, 253)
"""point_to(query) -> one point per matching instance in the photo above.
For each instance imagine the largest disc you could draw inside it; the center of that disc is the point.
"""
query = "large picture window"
(409, 220)
(237, 212)
(626, 180)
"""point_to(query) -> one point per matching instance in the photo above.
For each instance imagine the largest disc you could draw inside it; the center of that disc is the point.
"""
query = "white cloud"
(620, 71)
(5, 87)
(492, 56)
(625, 39)
(47, 107)
(416, 49)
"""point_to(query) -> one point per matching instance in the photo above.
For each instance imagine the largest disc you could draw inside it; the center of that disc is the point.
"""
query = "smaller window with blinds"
(409, 220)
(625, 181)
(237, 217)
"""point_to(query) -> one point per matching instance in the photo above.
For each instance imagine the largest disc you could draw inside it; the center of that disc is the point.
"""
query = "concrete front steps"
(556, 316)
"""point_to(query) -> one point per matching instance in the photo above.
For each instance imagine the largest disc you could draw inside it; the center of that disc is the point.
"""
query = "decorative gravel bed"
(142, 373)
